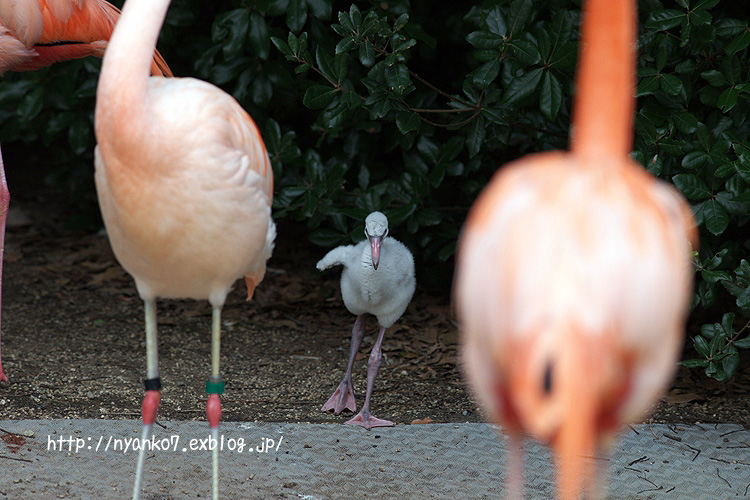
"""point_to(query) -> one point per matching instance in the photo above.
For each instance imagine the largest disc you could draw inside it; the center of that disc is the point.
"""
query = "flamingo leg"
(364, 418)
(595, 479)
(215, 387)
(153, 395)
(4, 202)
(343, 397)
(515, 467)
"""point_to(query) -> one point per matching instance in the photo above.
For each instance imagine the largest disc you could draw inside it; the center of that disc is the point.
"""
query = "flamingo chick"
(38, 33)
(378, 278)
(573, 275)
(185, 187)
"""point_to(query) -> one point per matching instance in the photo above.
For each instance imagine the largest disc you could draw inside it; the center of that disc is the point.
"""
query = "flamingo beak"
(375, 249)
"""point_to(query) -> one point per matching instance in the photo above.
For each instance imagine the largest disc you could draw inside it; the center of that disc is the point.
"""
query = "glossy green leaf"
(699, 17)
(694, 363)
(730, 27)
(692, 186)
(739, 43)
(701, 346)
(475, 138)
(367, 54)
(80, 135)
(31, 104)
(685, 67)
(258, 35)
(399, 23)
(319, 96)
(397, 77)
(496, 22)
(710, 330)
(346, 22)
(408, 121)
(730, 363)
(715, 217)
(714, 276)
(526, 52)
(714, 77)
(704, 4)
(694, 159)
(728, 99)
(645, 128)
(647, 86)
(664, 19)
(321, 9)
(486, 74)
(335, 116)
(550, 97)
(262, 90)
(345, 45)
(324, 61)
(520, 13)
(731, 68)
(742, 166)
(671, 84)
(57, 124)
(230, 29)
(523, 86)
(282, 46)
(356, 16)
(685, 122)
(296, 15)
(484, 40)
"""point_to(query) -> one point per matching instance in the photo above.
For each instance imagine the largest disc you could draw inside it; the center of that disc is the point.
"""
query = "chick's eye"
(547, 379)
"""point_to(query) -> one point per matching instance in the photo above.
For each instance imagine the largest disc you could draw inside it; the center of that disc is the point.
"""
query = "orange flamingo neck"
(604, 101)
(122, 93)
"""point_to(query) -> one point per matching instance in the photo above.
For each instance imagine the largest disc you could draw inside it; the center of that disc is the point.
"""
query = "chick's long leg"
(364, 418)
(343, 396)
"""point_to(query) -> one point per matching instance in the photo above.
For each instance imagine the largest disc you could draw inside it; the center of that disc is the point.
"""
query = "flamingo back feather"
(45, 26)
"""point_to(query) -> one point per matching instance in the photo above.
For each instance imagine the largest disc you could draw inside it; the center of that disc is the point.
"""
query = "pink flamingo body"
(185, 188)
(573, 274)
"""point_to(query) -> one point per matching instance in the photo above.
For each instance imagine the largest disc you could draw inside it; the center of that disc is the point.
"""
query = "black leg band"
(152, 384)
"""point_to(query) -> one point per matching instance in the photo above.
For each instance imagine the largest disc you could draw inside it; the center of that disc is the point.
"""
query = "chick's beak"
(375, 248)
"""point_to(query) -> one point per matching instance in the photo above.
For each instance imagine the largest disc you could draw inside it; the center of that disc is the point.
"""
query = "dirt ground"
(73, 343)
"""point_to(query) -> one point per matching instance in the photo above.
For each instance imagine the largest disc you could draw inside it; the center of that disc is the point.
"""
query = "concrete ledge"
(95, 459)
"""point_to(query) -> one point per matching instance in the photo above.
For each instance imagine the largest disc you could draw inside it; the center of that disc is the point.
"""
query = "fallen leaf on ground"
(681, 397)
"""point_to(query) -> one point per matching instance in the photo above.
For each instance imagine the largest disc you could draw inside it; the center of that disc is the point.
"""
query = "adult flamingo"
(573, 275)
(185, 187)
(37, 33)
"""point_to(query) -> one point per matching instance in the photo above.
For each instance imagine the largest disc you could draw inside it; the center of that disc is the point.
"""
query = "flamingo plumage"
(185, 187)
(38, 33)
(573, 275)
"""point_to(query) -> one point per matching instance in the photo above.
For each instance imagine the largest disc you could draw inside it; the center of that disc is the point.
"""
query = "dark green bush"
(410, 107)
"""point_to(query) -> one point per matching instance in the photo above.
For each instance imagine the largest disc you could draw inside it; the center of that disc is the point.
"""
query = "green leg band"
(214, 385)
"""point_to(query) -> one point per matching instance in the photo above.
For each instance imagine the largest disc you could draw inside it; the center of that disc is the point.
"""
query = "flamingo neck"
(122, 93)
(604, 103)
